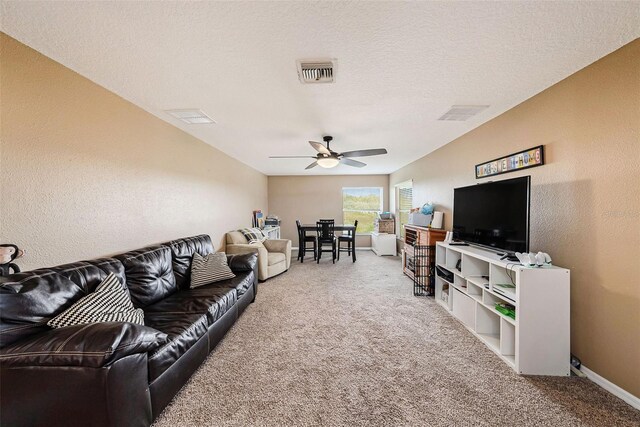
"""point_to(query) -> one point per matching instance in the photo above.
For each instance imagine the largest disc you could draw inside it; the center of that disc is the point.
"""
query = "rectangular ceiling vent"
(316, 71)
(191, 117)
(460, 113)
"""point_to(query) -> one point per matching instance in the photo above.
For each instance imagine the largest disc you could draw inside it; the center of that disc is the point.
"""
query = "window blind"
(405, 198)
(403, 206)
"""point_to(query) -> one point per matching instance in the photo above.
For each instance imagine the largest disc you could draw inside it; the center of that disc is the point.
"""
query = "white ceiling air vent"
(191, 117)
(316, 71)
(460, 113)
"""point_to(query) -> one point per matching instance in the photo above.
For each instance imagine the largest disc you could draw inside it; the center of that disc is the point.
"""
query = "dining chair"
(325, 229)
(350, 238)
(303, 239)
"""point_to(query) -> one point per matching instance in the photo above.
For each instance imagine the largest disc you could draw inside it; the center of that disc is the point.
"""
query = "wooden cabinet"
(420, 267)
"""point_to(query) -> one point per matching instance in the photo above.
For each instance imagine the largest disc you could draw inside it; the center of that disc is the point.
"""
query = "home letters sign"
(517, 161)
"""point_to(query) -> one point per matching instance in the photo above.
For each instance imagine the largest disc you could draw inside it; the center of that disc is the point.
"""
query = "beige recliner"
(274, 255)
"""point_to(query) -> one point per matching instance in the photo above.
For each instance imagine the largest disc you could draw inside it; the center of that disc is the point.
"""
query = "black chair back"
(299, 227)
(325, 229)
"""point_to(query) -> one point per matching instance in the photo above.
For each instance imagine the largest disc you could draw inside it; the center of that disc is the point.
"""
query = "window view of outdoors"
(362, 204)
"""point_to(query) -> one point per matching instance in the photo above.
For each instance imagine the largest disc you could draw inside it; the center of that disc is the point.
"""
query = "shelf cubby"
(507, 338)
(481, 282)
(441, 254)
(489, 299)
(443, 292)
(460, 283)
(500, 275)
(474, 291)
(451, 259)
(463, 307)
(474, 267)
(487, 322)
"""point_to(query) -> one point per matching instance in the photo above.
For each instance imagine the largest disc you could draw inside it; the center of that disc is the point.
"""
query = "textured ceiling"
(400, 66)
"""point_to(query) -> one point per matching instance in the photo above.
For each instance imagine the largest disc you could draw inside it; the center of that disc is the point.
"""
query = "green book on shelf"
(506, 310)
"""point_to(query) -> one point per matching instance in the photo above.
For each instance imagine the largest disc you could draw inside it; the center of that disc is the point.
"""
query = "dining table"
(304, 228)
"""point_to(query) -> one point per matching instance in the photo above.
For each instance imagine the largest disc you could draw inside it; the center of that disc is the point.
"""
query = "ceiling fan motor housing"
(327, 139)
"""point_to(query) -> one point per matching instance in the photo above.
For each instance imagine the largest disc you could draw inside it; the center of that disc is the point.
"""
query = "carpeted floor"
(348, 344)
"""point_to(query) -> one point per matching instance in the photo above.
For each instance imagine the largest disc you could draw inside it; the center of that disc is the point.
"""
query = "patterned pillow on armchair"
(253, 235)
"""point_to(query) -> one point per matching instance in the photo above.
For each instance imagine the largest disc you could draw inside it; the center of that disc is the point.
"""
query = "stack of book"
(258, 219)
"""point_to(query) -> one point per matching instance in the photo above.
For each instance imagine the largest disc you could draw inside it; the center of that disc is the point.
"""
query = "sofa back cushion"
(149, 274)
(182, 251)
(29, 300)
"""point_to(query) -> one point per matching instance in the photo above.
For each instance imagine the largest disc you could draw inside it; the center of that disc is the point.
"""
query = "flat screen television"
(494, 215)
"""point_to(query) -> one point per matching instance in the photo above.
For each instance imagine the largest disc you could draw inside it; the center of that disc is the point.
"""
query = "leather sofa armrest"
(263, 255)
(92, 345)
(279, 245)
(242, 262)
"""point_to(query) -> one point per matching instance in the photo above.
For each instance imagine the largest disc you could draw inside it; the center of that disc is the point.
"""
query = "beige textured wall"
(85, 173)
(309, 198)
(585, 207)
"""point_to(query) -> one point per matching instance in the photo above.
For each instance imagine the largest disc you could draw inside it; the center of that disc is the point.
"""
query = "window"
(362, 204)
(404, 203)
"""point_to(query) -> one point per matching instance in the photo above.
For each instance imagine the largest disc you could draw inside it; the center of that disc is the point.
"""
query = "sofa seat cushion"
(213, 302)
(183, 331)
(241, 283)
(93, 345)
(276, 258)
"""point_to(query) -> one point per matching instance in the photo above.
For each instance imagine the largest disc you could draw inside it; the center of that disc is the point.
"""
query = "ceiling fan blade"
(312, 165)
(364, 153)
(319, 147)
(353, 163)
(292, 157)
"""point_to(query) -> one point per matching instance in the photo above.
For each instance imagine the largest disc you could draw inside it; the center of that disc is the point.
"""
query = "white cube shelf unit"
(537, 341)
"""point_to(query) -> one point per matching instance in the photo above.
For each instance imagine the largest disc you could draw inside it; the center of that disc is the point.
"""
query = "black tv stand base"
(458, 244)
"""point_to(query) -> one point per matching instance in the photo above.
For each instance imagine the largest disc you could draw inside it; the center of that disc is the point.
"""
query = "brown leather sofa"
(114, 373)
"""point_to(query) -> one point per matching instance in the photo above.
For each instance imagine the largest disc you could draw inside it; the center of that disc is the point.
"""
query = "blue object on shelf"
(427, 209)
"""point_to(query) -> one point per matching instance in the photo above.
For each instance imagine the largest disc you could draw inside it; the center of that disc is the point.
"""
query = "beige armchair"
(274, 255)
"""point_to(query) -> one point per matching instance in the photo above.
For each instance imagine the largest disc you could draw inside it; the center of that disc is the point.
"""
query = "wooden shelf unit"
(423, 236)
(537, 341)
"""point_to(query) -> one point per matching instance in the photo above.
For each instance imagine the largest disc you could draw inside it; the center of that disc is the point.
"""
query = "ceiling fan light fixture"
(328, 162)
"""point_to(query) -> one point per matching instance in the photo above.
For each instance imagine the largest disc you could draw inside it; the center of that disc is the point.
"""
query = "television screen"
(494, 214)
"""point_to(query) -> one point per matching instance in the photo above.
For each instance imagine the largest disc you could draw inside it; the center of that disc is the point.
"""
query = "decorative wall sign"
(517, 161)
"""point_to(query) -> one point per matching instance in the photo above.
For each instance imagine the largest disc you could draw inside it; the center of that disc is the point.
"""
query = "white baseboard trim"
(611, 387)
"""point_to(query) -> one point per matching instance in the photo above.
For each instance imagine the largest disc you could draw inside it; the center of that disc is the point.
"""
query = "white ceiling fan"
(328, 158)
